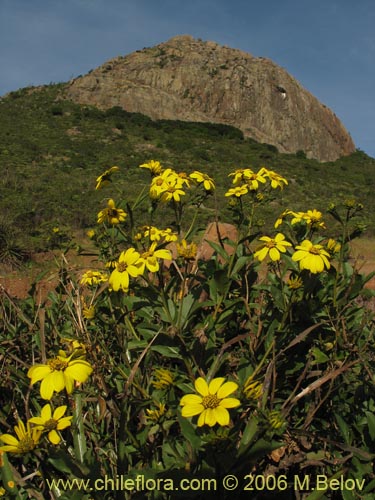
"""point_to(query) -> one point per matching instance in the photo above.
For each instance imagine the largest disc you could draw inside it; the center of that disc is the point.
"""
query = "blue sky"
(327, 45)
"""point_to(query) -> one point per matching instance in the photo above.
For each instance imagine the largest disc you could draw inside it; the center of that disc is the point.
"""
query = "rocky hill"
(192, 80)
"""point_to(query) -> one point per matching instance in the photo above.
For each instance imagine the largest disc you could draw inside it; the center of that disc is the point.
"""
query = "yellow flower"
(281, 218)
(90, 233)
(111, 214)
(105, 178)
(187, 250)
(156, 415)
(249, 177)
(153, 166)
(238, 175)
(164, 378)
(52, 423)
(173, 191)
(253, 389)
(93, 278)
(313, 218)
(59, 373)
(311, 257)
(129, 264)
(168, 235)
(204, 179)
(237, 191)
(88, 312)
(294, 282)
(275, 419)
(184, 178)
(212, 402)
(27, 439)
(150, 258)
(73, 345)
(276, 179)
(333, 246)
(272, 247)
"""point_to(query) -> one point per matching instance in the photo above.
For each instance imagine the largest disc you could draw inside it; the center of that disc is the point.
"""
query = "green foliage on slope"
(51, 149)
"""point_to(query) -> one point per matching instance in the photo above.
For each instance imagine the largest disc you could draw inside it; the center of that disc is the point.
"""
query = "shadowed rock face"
(191, 80)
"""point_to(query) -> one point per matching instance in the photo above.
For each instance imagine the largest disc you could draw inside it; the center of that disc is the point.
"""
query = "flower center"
(271, 244)
(122, 267)
(113, 213)
(26, 444)
(50, 424)
(314, 251)
(210, 401)
(58, 364)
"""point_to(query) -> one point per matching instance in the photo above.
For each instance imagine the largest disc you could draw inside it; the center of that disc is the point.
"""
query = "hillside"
(52, 149)
(192, 80)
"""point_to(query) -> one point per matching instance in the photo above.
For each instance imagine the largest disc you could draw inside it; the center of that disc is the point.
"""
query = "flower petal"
(38, 372)
(191, 399)
(63, 423)
(59, 412)
(46, 412)
(221, 415)
(230, 403)
(53, 437)
(215, 385)
(191, 410)
(9, 439)
(227, 389)
(201, 386)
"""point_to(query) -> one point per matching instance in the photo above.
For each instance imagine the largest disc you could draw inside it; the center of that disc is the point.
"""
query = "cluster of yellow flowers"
(313, 218)
(59, 373)
(28, 436)
(168, 185)
(245, 180)
(311, 256)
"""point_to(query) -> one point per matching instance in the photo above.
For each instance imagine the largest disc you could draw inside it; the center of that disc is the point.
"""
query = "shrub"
(158, 371)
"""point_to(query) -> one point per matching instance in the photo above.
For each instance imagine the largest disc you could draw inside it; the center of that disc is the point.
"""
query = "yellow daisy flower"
(93, 278)
(204, 179)
(237, 191)
(311, 257)
(52, 423)
(27, 439)
(105, 178)
(276, 179)
(111, 214)
(312, 218)
(153, 166)
(187, 250)
(60, 373)
(211, 402)
(129, 264)
(164, 378)
(150, 258)
(249, 177)
(156, 415)
(272, 247)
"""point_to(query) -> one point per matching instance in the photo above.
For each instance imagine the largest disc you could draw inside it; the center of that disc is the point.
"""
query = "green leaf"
(248, 434)
(345, 431)
(371, 424)
(319, 356)
(241, 261)
(168, 351)
(189, 432)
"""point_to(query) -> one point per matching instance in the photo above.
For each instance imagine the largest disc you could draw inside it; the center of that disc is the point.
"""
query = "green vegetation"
(160, 378)
(51, 149)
